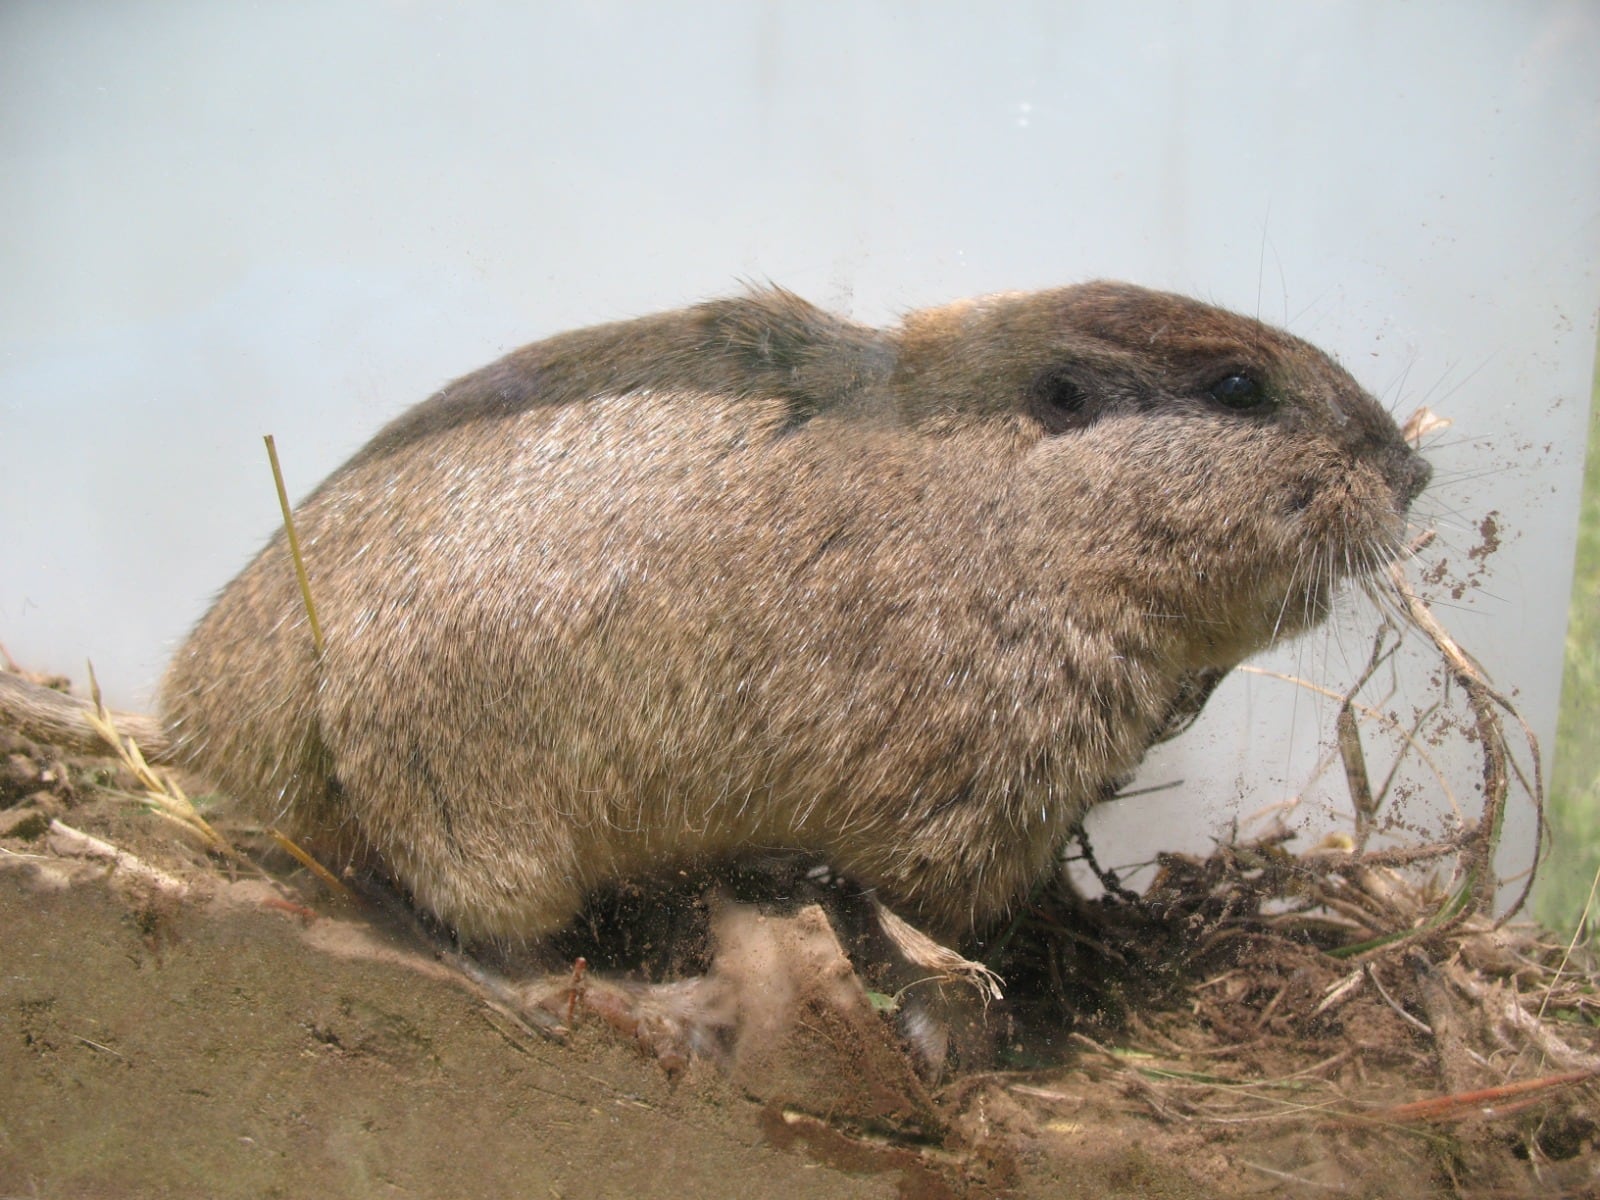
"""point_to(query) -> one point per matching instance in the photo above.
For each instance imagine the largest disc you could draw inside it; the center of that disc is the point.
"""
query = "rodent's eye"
(1238, 391)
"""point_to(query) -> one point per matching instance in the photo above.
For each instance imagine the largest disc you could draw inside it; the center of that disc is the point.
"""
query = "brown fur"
(749, 576)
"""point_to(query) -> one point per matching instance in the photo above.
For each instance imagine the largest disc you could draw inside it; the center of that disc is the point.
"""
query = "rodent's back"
(750, 577)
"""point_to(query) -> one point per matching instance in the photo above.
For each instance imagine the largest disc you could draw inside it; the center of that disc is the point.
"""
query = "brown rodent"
(749, 576)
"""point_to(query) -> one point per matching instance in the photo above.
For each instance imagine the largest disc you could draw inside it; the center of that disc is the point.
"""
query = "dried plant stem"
(1410, 737)
(74, 843)
(294, 546)
(1479, 1103)
(1480, 839)
(328, 878)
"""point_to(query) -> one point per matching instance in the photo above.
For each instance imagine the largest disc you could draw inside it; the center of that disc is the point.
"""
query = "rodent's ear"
(1061, 399)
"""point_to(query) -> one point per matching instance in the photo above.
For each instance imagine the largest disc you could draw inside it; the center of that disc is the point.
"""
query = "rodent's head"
(1218, 468)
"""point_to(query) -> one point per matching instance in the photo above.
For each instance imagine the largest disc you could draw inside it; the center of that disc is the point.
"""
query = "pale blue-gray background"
(221, 220)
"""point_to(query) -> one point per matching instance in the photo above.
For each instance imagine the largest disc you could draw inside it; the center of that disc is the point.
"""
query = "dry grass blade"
(1572, 942)
(294, 545)
(161, 791)
(167, 799)
(328, 878)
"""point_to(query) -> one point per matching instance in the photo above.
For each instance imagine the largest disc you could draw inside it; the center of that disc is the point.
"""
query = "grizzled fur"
(749, 576)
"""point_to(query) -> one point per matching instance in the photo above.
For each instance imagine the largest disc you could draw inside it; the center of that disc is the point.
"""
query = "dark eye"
(1238, 392)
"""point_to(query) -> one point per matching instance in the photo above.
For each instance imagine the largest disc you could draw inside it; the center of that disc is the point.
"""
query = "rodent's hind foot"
(768, 972)
(845, 964)
(674, 1023)
(781, 1012)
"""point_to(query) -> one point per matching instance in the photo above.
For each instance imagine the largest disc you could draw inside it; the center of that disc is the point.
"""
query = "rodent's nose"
(1414, 477)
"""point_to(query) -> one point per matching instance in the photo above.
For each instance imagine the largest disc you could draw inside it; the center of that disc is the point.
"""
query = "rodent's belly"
(945, 798)
(955, 859)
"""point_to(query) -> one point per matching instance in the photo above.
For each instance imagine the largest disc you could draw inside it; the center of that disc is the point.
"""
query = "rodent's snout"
(1413, 476)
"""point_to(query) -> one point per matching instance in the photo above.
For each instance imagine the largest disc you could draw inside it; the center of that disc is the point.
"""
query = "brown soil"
(228, 1028)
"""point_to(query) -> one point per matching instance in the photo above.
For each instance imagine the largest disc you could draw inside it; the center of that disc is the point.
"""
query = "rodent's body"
(747, 577)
